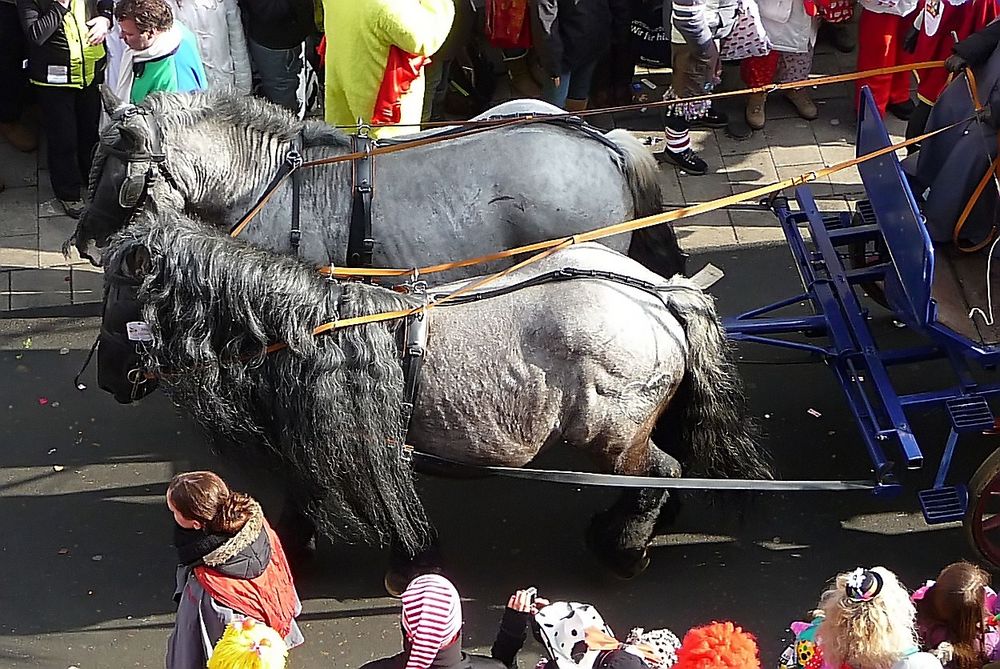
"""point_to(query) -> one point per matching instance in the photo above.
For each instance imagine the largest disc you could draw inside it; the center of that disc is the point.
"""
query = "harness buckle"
(294, 159)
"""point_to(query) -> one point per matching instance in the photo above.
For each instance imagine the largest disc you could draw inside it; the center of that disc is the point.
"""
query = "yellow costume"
(359, 35)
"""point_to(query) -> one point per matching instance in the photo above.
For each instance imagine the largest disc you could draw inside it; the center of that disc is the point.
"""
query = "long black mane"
(329, 406)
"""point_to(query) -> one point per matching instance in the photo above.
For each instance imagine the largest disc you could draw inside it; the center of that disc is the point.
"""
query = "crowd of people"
(237, 606)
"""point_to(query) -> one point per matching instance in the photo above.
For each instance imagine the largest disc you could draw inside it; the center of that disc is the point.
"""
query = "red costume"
(937, 21)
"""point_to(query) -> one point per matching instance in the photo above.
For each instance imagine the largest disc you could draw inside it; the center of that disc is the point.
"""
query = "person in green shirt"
(161, 54)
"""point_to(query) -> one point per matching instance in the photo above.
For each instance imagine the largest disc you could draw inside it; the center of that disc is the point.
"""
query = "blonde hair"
(866, 634)
(248, 644)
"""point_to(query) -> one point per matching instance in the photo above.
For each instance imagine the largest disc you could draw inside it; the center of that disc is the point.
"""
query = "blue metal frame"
(850, 349)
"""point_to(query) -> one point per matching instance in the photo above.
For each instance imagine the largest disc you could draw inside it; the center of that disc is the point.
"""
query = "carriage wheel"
(866, 254)
(982, 519)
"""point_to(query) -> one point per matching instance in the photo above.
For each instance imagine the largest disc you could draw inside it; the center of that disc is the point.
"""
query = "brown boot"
(803, 104)
(574, 105)
(755, 110)
(19, 136)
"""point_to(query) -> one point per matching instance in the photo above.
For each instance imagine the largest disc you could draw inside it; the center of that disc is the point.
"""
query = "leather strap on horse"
(360, 243)
(477, 127)
(295, 159)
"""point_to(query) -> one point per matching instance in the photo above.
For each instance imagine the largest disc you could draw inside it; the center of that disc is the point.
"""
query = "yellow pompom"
(247, 644)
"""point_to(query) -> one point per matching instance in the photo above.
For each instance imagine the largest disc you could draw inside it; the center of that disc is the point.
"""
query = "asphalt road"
(87, 563)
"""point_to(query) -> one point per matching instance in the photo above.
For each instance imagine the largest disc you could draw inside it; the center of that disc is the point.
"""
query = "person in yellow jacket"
(375, 54)
(65, 63)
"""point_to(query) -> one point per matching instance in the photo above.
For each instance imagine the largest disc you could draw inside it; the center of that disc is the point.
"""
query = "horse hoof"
(623, 563)
(627, 566)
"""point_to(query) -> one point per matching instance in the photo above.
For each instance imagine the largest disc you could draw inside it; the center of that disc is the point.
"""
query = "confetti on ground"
(63, 351)
(814, 413)
(57, 468)
(42, 401)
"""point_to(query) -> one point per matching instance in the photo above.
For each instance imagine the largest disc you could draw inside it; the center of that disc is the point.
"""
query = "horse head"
(124, 337)
(128, 161)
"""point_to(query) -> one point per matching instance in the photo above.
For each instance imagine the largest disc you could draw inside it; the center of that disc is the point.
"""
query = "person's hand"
(945, 652)
(709, 51)
(955, 64)
(525, 601)
(99, 27)
(910, 41)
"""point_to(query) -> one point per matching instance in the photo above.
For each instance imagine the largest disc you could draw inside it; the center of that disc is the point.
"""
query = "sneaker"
(687, 160)
(803, 104)
(755, 110)
(902, 110)
(74, 208)
(713, 119)
(19, 136)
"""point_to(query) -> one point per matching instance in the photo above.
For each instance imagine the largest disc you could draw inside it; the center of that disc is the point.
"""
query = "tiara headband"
(863, 585)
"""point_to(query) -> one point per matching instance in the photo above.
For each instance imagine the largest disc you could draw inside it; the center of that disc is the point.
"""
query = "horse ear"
(132, 137)
(139, 262)
(111, 101)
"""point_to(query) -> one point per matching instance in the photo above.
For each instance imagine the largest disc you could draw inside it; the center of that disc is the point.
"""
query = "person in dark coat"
(949, 166)
(276, 32)
(570, 36)
(231, 567)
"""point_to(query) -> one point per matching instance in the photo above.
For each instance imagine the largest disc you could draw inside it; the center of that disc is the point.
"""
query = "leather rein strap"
(360, 243)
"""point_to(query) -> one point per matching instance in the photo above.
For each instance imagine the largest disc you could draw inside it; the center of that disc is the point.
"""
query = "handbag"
(507, 24)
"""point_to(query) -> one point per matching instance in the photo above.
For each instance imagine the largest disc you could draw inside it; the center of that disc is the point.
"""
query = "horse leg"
(296, 531)
(620, 536)
(405, 566)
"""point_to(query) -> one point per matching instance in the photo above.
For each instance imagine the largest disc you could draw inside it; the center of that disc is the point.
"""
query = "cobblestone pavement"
(34, 272)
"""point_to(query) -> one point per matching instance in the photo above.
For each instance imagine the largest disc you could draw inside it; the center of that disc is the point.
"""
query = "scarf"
(123, 59)
(193, 545)
(432, 618)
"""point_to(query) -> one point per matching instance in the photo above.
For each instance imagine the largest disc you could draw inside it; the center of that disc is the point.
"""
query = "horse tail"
(641, 172)
(707, 425)
(655, 247)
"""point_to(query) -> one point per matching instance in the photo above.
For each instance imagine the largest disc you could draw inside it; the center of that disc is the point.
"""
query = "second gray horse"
(459, 198)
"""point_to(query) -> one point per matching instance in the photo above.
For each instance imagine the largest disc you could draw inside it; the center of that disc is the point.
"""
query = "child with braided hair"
(231, 567)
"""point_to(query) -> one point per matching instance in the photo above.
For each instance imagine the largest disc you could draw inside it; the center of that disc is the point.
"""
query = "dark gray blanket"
(948, 167)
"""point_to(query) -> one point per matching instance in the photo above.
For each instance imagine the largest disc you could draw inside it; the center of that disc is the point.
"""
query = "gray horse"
(593, 363)
(460, 198)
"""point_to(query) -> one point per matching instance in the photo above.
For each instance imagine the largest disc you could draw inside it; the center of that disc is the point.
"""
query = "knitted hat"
(432, 618)
(718, 646)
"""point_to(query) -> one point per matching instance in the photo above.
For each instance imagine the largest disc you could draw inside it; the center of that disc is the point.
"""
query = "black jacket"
(278, 24)
(978, 47)
(509, 640)
(451, 657)
(56, 38)
(570, 33)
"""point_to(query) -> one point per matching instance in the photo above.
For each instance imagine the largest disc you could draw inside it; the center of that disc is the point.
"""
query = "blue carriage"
(931, 291)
